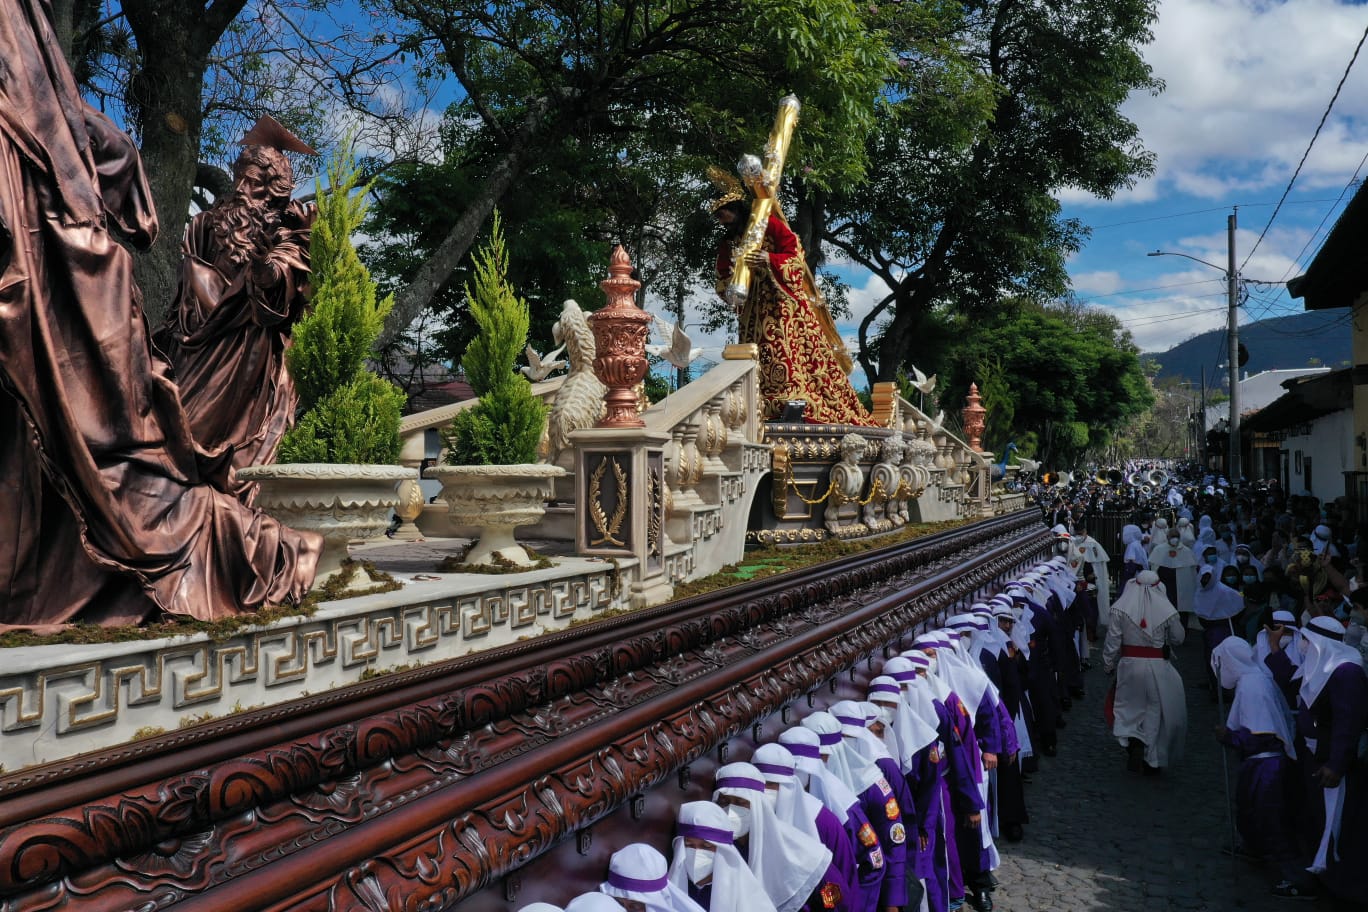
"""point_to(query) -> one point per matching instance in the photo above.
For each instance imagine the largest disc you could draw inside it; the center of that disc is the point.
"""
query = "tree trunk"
(411, 299)
(64, 27)
(176, 40)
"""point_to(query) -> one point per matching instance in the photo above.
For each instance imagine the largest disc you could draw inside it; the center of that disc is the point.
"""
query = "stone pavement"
(1102, 838)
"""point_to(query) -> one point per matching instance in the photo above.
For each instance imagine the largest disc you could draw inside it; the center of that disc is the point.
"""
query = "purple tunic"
(1335, 723)
(834, 836)
(1265, 795)
(881, 806)
(869, 858)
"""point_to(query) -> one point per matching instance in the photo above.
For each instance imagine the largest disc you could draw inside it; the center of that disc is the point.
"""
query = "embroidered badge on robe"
(898, 834)
(884, 788)
(876, 858)
(831, 895)
(891, 809)
(867, 836)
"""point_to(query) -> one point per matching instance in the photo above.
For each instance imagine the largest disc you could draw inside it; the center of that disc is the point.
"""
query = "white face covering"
(772, 796)
(886, 714)
(740, 819)
(698, 864)
(934, 666)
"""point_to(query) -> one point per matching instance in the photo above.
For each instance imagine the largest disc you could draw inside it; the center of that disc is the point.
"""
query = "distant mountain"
(1273, 344)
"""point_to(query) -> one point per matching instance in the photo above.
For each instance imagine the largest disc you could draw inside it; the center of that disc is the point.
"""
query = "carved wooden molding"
(412, 791)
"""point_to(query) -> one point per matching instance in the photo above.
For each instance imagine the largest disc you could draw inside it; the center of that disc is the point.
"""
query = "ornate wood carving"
(414, 790)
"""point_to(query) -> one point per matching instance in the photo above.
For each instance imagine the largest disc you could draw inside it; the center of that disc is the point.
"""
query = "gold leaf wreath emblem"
(607, 526)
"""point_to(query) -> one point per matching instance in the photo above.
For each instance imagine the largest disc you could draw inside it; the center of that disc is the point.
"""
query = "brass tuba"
(1158, 478)
(1116, 477)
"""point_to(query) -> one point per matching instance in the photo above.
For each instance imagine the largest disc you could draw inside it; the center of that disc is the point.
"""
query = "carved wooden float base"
(422, 789)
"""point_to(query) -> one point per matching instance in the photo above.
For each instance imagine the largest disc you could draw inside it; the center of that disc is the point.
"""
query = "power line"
(1296, 263)
(1324, 117)
(1169, 318)
(1133, 291)
(1160, 218)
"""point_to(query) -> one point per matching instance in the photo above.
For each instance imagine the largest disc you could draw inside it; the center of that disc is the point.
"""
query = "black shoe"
(1015, 833)
(1135, 755)
(981, 900)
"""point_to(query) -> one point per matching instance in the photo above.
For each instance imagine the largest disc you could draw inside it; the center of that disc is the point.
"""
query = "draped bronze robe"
(104, 513)
(226, 339)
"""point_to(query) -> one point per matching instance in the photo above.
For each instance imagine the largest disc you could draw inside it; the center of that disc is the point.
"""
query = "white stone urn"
(343, 503)
(496, 499)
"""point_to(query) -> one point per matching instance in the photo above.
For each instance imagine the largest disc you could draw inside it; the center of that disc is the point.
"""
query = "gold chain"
(874, 491)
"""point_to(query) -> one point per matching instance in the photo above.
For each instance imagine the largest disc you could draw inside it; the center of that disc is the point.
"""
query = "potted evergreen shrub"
(492, 479)
(335, 471)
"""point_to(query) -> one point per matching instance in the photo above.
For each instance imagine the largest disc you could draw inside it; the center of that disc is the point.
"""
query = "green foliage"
(642, 95)
(356, 423)
(503, 428)
(350, 415)
(500, 317)
(996, 107)
(1059, 380)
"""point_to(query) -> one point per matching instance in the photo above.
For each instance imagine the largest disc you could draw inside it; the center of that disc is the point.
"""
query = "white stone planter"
(343, 503)
(497, 499)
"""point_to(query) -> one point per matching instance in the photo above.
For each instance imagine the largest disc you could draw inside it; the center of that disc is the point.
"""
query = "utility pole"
(1233, 294)
(1202, 426)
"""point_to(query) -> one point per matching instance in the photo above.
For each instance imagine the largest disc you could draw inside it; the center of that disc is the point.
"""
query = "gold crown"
(727, 184)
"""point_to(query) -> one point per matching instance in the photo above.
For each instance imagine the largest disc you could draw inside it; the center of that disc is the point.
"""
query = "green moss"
(223, 629)
(147, 731)
(452, 564)
(770, 561)
(371, 673)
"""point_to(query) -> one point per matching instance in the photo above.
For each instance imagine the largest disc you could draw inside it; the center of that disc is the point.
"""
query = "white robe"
(1149, 702)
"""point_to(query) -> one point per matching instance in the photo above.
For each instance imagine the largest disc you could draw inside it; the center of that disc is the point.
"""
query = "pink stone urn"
(620, 330)
(975, 416)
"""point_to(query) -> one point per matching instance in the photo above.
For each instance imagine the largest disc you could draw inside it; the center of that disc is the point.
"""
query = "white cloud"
(1246, 82)
(1100, 282)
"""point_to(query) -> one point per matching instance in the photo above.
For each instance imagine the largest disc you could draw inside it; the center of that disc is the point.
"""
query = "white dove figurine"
(922, 384)
(1028, 466)
(679, 352)
(538, 367)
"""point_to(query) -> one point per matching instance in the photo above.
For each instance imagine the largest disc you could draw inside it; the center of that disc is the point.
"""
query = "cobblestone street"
(1102, 838)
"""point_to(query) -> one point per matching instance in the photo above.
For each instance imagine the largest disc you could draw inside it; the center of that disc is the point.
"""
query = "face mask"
(934, 666)
(1251, 578)
(885, 713)
(740, 819)
(772, 795)
(1173, 541)
(1211, 559)
(1242, 558)
(698, 864)
(1062, 547)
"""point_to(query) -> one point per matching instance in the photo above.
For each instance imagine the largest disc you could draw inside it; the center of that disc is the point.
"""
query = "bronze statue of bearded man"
(243, 285)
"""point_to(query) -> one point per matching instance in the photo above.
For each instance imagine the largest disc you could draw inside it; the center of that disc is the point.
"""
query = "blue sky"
(1246, 84)
(1247, 81)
